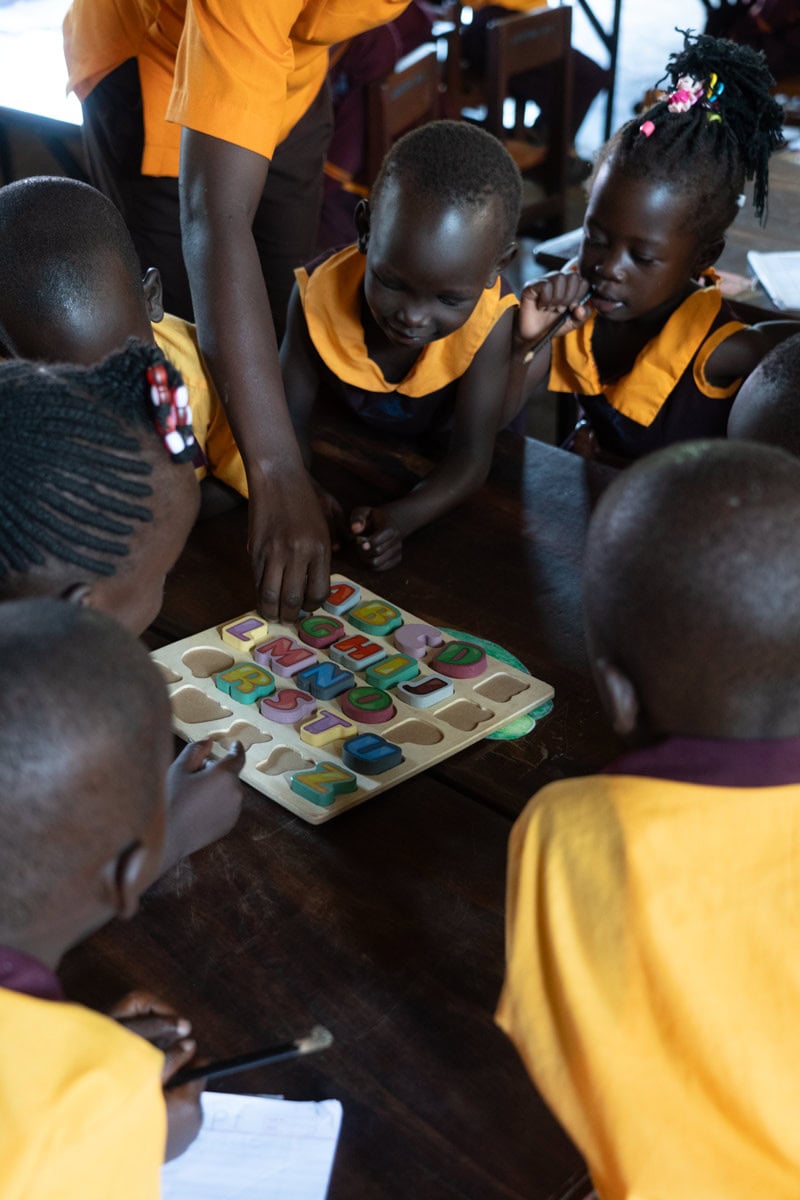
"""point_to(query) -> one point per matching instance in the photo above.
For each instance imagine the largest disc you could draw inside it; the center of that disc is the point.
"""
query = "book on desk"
(778, 272)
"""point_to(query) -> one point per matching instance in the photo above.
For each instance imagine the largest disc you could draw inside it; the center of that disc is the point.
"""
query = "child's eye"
(391, 285)
(591, 239)
(643, 260)
(452, 301)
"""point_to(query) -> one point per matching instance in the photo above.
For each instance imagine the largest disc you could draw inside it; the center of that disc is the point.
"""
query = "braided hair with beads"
(712, 132)
(74, 485)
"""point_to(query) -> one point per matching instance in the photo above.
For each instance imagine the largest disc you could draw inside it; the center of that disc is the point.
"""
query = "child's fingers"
(382, 538)
(233, 760)
(139, 1003)
(389, 557)
(359, 519)
(162, 1032)
(176, 1056)
(192, 758)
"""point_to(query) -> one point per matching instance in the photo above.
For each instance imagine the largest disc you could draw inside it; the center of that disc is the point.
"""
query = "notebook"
(778, 271)
(257, 1148)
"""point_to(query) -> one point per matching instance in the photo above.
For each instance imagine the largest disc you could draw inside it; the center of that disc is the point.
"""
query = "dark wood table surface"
(386, 925)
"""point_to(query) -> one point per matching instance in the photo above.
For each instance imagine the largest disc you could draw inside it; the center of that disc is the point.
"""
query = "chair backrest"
(522, 43)
(407, 97)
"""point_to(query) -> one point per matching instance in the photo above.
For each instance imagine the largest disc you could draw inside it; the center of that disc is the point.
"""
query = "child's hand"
(378, 542)
(151, 1018)
(544, 300)
(158, 1023)
(184, 1112)
(205, 798)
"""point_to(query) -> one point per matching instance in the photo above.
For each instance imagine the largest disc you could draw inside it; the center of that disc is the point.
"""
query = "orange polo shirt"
(242, 71)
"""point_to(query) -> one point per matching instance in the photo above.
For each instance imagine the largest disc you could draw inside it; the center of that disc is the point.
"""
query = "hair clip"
(741, 200)
(714, 89)
(647, 128)
(172, 415)
(686, 95)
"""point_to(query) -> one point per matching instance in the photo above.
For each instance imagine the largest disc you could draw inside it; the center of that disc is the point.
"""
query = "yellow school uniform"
(82, 1113)
(653, 971)
(331, 295)
(178, 340)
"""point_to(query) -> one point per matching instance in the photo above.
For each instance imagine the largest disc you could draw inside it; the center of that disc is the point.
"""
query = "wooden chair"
(409, 96)
(514, 45)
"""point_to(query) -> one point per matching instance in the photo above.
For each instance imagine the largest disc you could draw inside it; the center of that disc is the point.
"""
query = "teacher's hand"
(289, 546)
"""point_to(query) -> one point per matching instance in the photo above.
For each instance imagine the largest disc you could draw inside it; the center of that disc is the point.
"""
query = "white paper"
(779, 273)
(257, 1148)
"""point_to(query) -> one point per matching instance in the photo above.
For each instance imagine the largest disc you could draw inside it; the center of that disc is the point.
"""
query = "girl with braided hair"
(97, 497)
(656, 356)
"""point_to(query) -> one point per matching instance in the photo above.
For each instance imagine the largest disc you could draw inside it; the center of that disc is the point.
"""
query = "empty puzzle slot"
(193, 707)
(241, 731)
(501, 688)
(464, 715)
(284, 759)
(167, 674)
(419, 733)
(204, 662)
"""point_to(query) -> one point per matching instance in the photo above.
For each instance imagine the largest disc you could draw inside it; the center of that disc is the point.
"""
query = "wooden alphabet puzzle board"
(346, 703)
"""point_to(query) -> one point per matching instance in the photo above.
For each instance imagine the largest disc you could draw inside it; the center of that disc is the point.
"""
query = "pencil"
(319, 1039)
(557, 324)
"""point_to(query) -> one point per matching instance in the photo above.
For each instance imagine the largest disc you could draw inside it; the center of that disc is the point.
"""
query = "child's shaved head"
(454, 163)
(767, 406)
(691, 587)
(84, 749)
(70, 280)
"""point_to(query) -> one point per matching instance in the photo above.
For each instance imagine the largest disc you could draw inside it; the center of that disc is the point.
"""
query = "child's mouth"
(403, 336)
(604, 304)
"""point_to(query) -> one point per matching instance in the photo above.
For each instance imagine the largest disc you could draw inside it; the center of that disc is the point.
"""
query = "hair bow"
(172, 415)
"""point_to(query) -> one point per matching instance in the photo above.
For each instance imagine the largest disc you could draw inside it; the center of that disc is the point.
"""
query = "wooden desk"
(386, 925)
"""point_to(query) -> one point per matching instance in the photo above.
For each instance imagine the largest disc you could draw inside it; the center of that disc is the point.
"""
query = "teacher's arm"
(220, 188)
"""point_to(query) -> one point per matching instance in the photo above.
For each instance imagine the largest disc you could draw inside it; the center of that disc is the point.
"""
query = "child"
(71, 291)
(83, 814)
(411, 327)
(767, 407)
(95, 507)
(653, 930)
(661, 357)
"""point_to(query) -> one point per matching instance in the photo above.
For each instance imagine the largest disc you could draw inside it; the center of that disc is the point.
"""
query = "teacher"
(206, 122)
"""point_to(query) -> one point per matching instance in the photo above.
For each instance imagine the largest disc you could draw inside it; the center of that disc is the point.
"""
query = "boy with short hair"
(653, 926)
(83, 813)
(71, 290)
(412, 326)
(767, 406)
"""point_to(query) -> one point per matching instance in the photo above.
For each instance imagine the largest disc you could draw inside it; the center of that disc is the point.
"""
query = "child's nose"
(414, 315)
(611, 265)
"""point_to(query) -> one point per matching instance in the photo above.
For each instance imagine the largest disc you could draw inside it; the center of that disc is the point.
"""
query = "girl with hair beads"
(97, 497)
(657, 356)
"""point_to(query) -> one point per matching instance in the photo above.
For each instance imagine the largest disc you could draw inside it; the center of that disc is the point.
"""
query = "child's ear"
(362, 225)
(618, 695)
(153, 295)
(78, 593)
(707, 256)
(509, 254)
(125, 878)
